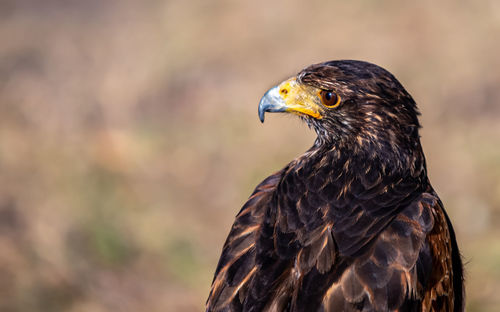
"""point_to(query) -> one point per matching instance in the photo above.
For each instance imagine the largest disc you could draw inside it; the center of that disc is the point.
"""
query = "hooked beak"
(291, 97)
(271, 102)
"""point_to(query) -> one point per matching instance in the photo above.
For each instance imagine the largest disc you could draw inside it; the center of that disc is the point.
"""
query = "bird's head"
(349, 103)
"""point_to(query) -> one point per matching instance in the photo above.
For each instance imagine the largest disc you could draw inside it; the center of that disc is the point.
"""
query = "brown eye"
(329, 98)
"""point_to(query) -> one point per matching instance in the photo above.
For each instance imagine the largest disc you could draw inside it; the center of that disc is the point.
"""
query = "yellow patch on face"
(300, 99)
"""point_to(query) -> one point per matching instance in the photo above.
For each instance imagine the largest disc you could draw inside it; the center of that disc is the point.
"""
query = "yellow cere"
(299, 99)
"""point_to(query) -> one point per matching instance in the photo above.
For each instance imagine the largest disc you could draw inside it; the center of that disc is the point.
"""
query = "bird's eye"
(329, 98)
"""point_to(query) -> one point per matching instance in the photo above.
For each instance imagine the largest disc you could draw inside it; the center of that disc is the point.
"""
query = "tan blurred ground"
(129, 135)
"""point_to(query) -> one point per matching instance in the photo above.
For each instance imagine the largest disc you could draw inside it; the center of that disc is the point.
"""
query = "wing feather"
(385, 276)
(237, 265)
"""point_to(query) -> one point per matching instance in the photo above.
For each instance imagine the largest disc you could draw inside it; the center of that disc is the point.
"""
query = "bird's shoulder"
(411, 264)
(237, 263)
(389, 272)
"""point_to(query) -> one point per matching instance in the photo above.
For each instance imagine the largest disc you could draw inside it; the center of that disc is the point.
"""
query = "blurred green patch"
(183, 261)
(100, 242)
(110, 246)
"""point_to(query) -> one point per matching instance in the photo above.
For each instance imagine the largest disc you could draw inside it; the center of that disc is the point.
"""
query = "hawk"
(353, 224)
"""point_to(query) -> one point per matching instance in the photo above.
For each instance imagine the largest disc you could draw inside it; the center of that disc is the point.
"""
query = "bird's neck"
(408, 159)
(340, 173)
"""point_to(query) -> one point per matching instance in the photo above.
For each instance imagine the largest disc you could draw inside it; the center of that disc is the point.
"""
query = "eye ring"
(329, 98)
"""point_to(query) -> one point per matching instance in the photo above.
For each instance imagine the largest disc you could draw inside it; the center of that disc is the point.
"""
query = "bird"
(353, 224)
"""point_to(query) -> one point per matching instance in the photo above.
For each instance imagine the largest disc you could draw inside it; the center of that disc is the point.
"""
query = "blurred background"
(129, 136)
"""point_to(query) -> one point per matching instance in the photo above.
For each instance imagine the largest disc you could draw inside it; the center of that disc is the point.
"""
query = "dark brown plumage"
(351, 225)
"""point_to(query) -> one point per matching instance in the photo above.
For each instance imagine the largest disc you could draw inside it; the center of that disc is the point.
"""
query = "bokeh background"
(129, 136)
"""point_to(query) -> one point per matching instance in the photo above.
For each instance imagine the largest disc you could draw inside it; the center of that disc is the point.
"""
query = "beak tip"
(270, 102)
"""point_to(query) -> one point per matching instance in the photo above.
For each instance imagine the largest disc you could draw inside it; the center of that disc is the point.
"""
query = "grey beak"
(271, 102)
